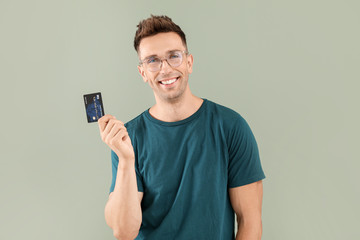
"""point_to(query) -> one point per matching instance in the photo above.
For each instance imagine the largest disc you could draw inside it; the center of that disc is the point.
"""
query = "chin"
(171, 97)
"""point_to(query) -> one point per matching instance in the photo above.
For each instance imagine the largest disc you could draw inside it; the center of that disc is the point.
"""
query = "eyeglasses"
(154, 64)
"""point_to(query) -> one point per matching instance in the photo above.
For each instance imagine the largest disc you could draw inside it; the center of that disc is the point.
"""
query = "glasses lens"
(153, 64)
(175, 59)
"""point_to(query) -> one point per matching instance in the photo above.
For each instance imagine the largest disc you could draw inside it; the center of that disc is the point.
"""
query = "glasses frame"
(166, 59)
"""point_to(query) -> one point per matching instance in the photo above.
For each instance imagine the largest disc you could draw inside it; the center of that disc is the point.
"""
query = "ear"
(190, 61)
(142, 73)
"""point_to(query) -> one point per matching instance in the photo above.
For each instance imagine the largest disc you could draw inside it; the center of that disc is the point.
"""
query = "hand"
(114, 134)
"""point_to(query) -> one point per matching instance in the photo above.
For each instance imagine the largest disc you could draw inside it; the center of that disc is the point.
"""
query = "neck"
(176, 110)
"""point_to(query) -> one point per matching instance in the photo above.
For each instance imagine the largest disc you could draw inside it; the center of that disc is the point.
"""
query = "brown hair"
(154, 25)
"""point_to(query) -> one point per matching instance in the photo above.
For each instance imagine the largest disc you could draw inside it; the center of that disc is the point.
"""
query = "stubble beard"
(177, 95)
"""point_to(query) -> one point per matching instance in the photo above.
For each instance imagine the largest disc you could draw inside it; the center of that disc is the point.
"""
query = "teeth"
(169, 81)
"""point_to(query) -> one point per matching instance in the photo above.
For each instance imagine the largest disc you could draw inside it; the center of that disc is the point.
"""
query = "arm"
(123, 210)
(247, 202)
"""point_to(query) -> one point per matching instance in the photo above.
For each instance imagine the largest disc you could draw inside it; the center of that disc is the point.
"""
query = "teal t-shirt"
(185, 168)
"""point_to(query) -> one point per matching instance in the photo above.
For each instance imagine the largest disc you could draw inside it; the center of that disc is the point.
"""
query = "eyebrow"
(155, 55)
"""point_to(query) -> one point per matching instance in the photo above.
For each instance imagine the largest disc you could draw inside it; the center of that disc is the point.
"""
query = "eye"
(174, 55)
(152, 60)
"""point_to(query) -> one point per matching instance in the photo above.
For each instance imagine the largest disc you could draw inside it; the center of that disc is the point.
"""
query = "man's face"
(160, 45)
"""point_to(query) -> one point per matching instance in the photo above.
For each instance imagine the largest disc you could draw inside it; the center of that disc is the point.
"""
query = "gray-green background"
(290, 68)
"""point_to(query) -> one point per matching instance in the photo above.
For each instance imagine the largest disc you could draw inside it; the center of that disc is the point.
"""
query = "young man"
(182, 168)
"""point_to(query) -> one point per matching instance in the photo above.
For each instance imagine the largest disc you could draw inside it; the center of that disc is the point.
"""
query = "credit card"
(94, 107)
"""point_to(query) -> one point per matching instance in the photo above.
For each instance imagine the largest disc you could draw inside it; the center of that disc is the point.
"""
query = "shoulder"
(135, 122)
(231, 123)
(225, 115)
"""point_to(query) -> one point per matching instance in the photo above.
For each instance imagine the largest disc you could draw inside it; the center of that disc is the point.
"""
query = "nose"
(165, 67)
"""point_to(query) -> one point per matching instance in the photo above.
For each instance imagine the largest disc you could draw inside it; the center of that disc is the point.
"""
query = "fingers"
(102, 122)
(109, 127)
(116, 135)
(122, 134)
(111, 124)
(118, 126)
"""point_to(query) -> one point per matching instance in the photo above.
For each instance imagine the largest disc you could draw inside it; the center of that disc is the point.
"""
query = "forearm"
(123, 210)
(250, 230)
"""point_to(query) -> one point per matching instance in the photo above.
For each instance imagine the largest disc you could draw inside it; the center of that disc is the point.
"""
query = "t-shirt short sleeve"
(114, 167)
(244, 161)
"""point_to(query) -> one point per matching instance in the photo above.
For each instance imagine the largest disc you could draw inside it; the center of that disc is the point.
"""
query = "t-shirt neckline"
(188, 119)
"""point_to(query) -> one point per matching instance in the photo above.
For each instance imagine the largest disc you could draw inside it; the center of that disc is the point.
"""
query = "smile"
(169, 81)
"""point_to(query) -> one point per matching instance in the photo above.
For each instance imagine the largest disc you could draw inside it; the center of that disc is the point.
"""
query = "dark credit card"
(94, 107)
